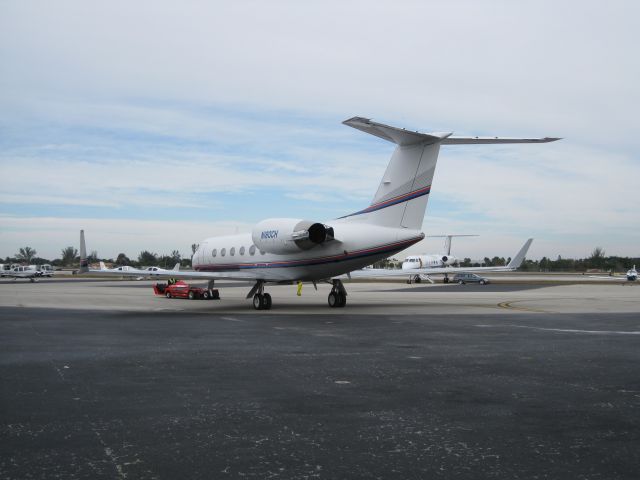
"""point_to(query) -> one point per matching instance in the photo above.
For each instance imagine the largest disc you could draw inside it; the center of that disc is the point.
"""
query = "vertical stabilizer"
(84, 263)
(519, 258)
(401, 199)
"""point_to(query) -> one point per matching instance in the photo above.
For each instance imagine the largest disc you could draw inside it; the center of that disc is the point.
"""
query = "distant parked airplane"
(158, 271)
(631, 276)
(286, 250)
(119, 270)
(30, 273)
(436, 260)
(514, 264)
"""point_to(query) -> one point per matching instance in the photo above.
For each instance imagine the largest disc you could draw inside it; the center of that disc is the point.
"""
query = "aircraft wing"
(618, 278)
(384, 272)
(514, 264)
(178, 274)
(453, 140)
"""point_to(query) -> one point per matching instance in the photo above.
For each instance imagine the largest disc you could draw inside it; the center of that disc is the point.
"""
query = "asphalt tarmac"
(202, 393)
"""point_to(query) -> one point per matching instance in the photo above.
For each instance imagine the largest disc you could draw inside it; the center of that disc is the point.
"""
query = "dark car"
(463, 278)
(182, 289)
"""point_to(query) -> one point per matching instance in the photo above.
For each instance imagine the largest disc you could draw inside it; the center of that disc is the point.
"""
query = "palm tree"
(69, 255)
(26, 254)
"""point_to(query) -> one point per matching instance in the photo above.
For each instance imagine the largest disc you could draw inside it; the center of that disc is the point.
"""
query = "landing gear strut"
(338, 295)
(261, 300)
(210, 288)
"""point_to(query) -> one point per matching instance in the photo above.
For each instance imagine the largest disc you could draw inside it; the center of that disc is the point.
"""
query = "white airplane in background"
(514, 264)
(445, 259)
(120, 270)
(631, 276)
(30, 273)
(286, 250)
(157, 271)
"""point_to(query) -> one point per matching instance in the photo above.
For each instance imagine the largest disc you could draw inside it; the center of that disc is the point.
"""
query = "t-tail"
(401, 199)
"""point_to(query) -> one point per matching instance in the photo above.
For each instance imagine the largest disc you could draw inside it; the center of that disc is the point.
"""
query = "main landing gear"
(338, 295)
(261, 300)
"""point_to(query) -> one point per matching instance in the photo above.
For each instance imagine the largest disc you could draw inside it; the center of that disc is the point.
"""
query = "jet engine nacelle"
(449, 260)
(289, 235)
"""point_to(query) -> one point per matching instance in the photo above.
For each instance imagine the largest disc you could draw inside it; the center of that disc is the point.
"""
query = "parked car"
(463, 278)
(182, 289)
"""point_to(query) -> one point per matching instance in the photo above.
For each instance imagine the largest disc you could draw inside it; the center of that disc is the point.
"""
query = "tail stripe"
(393, 201)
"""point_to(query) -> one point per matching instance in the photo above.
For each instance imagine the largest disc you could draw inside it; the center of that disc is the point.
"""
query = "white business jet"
(286, 250)
(408, 266)
(436, 260)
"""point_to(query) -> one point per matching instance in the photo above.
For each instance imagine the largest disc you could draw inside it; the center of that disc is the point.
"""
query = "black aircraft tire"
(266, 302)
(257, 301)
(333, 300)
(342, 300)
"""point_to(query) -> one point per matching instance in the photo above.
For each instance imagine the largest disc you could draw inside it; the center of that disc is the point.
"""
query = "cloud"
(203, 111)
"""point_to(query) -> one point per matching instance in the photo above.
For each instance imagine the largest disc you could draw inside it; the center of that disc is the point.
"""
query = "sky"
(154, 124)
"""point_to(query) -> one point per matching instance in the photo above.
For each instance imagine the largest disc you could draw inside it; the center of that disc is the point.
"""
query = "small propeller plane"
(29, 272)
(289, 250)
(158, 271)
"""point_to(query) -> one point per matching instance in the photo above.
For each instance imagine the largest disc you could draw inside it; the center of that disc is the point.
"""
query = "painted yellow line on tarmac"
(510, 306)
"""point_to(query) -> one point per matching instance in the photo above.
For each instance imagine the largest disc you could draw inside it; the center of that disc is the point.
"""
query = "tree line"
(69, 258)
(596, 261)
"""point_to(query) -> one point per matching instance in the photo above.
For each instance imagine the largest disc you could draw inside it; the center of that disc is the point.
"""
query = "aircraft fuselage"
(355, 246)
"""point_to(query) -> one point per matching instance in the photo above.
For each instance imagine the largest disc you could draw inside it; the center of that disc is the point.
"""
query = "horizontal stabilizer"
(494, 140)
(403, 137)
(396, 135)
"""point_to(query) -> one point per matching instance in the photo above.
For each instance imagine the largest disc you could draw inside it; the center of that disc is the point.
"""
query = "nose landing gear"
(338, 295)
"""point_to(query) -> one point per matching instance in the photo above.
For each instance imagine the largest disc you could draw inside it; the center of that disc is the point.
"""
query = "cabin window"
(232, 252)
(241, 250)
(214, 252)
(252, 250)
(223, 252)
